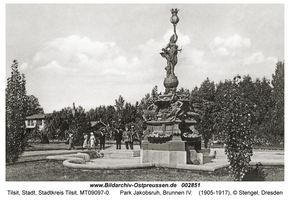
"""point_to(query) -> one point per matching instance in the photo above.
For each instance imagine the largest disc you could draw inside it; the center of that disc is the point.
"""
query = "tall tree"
(130, 113)
(119, 105)
(221, 89)
(82, 125)
(56, 125)
(33, 106)
(79, 124)
(15, 114)
(91, 114)
(144, 103)
(110, 115)
(263, 100)
(194, 96)
(247, 86)
(278, 97)
(206, 94)
(207, 90)
(262, 127)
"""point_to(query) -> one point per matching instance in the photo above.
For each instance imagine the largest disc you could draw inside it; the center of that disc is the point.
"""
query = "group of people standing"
(128, 136)
(91, 143)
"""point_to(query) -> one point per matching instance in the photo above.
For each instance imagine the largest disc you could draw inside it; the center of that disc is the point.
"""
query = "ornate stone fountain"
(170, 136)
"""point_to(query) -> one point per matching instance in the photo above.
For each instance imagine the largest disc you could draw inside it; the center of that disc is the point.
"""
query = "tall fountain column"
(170, 120)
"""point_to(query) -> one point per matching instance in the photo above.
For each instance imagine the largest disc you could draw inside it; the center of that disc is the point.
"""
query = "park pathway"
(113, 157)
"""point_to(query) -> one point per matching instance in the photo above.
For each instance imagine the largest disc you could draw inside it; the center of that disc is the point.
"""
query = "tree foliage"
(16, 105)
(205, 96)
(33, 106)
(278, 98)
(263, 110)
(237, 112)
(42, 135)
(80, 125)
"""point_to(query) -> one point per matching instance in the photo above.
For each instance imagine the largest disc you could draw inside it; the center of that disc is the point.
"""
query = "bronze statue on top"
(170, 54)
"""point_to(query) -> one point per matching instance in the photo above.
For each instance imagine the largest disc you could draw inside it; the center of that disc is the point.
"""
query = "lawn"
(60, 145)
(47, 170)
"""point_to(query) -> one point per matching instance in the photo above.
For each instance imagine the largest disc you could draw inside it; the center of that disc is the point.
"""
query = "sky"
(91, 54)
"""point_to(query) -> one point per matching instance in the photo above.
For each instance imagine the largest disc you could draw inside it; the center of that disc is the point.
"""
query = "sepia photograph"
(144, 93)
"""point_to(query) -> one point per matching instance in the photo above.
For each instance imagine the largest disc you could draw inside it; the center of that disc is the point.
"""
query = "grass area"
(47, 170)
(258, 147)
(37, 146)
(60, 145)
(50, 146)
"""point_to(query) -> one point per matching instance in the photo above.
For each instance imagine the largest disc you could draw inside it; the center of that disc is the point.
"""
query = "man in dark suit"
(118, 137)
(132, 136)
(102, 139)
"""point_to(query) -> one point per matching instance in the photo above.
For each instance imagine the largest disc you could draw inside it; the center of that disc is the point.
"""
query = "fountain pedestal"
(172, 152)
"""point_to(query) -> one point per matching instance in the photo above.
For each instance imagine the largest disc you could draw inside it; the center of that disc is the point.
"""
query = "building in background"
(36, 119)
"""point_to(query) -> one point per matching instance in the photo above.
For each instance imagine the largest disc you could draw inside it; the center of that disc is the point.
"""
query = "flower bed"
(159, 137)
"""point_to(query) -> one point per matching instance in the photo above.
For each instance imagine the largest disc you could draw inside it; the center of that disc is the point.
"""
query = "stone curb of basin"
(72, 157)
(203, 168)
(69, 163)
(49, 153)
(81, 161)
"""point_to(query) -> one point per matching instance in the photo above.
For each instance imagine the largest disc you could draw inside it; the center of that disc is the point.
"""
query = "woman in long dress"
(92, 141)
(71, 142)
(85, 144)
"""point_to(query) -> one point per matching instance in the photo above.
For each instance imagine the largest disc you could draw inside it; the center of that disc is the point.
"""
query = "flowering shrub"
(236, 119)
(99, 154)
(95, 154)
